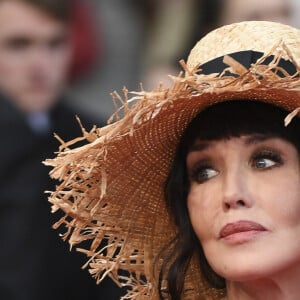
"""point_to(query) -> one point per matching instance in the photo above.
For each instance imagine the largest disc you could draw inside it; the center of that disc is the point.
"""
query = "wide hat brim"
(111, 190)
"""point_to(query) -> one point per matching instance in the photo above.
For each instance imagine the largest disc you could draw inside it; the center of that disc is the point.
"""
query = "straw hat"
(111, 189)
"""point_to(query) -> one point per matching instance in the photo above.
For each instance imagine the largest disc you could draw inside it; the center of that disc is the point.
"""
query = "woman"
(174, 197)
(228, 188)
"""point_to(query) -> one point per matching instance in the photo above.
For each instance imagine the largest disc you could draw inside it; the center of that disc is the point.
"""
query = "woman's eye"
(266, 160)
(264, 163)
(203, 174)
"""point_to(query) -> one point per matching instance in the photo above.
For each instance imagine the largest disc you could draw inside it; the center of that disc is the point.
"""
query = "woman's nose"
(236, 191)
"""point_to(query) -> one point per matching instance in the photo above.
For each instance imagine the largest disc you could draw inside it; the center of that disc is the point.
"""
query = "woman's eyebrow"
(249, 140)
(200, 146)
(252, 139)
(257, 138)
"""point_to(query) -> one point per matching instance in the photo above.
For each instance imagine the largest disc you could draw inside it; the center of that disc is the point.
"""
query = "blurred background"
(143, 40)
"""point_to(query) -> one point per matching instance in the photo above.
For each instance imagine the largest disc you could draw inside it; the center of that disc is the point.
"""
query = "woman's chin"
(245, 273)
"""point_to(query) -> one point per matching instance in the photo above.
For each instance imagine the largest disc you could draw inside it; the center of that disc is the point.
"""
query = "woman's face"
(244, 205)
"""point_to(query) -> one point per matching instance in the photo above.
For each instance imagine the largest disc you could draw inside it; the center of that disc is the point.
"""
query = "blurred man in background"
(35, 58)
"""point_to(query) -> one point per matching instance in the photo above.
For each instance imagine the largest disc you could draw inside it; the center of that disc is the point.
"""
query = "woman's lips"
(241, 231)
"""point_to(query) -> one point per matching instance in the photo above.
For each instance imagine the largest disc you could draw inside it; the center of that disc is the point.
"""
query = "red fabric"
(85, 40)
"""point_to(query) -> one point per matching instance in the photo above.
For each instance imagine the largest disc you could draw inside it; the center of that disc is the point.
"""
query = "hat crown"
(260, 36)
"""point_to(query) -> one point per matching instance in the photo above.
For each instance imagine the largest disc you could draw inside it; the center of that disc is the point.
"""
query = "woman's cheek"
(199, 213)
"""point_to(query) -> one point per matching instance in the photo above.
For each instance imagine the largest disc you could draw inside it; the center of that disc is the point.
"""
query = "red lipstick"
(241, 231)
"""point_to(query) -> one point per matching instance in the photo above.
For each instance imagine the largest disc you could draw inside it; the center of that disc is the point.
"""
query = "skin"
(251, 178)
(35, 55)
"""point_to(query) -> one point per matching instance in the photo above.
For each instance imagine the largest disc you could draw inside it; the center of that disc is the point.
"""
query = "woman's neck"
(284, 286)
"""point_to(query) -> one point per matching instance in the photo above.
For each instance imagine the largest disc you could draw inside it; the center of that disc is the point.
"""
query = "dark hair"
(58, 9)
(220, 121)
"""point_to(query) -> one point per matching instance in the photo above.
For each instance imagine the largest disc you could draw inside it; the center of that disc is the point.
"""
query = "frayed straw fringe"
(85, 178)
(288, 119)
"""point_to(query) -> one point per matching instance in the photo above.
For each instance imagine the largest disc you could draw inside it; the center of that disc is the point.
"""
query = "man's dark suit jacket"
(34, 263)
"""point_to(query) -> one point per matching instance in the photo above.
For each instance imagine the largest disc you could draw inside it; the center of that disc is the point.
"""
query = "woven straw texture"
(111, 190)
